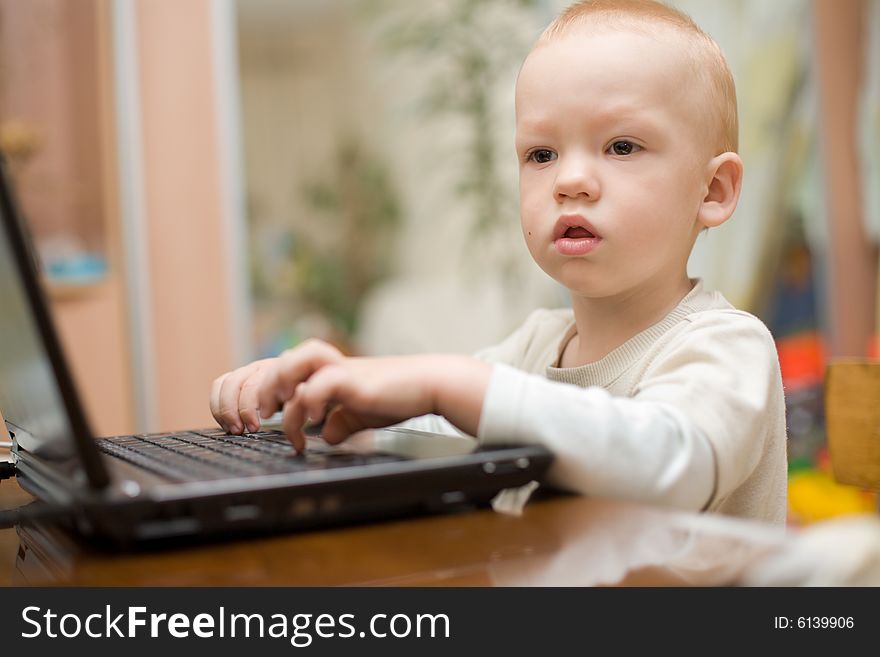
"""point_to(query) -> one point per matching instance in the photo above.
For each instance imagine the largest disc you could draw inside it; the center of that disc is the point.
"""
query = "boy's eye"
(623, 147)
(542, 156)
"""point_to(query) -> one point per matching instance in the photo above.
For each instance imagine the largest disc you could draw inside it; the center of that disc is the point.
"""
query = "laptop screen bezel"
(26, 263)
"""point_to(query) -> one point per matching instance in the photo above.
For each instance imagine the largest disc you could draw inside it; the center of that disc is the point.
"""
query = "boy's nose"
(576, 179)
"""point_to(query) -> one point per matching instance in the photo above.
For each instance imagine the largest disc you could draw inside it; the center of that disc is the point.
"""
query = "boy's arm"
(460, 383)
(701, 419)
(460, 390)
(604, 445)
(511, 350)
(240, 397)
(351, 394)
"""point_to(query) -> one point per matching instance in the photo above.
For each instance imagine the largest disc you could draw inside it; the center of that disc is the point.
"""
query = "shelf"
(75, 291)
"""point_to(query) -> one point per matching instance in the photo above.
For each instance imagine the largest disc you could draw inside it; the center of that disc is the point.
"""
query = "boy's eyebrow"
(541, 125)
(627, 116)
(624, 112)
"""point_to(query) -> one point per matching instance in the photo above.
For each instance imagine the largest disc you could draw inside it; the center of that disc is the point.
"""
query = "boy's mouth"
(574, 236)
(576, 232)
(574, 226)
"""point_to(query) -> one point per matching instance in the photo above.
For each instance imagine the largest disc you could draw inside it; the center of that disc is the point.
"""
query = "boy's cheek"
(533, 221)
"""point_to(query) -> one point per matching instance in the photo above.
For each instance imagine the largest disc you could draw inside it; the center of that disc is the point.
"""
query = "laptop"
(129, 491)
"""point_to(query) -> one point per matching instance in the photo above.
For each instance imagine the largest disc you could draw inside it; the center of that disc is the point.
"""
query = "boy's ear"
(724, 173)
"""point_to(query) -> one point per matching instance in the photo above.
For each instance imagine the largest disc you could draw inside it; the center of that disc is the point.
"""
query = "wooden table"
(559, 541)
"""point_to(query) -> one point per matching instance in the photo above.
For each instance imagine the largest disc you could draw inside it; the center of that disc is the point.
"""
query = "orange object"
(802, 359)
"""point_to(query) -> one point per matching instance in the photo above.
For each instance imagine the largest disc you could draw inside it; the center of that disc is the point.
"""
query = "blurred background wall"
(216, 180)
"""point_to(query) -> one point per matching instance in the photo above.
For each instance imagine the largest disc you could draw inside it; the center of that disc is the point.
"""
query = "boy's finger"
(248, 401)
(340, 424)
(230, 391)
(291, 424)
(325, 387)
(268, 402)
(293, 367)
(214, 400)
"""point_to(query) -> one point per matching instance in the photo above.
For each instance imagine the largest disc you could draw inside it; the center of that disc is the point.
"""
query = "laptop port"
(241, 512)
(302, 507)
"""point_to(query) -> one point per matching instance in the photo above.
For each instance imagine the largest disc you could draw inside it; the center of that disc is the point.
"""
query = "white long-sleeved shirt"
(689, 413)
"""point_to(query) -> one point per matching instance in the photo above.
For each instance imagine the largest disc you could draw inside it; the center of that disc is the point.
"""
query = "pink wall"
(182, 188)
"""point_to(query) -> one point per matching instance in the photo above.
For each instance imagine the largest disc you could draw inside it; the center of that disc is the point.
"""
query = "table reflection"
(556, 541)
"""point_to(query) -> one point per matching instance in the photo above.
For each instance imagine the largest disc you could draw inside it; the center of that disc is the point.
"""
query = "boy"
(649, 388)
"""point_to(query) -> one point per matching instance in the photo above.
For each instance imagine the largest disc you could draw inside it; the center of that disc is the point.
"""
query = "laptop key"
(213, 454)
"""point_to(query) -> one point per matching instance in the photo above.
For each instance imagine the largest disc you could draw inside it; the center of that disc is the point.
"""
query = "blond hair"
(706, 59)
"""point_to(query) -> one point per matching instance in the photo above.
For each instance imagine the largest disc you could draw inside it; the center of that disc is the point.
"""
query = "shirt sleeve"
(725, 376)
(691, 433)
(603, 445)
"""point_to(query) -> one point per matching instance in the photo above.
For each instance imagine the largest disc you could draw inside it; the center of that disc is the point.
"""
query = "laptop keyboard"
(212, 454)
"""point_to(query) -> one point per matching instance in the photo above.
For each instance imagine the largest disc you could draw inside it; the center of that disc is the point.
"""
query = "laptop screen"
(44, 417)
(29, 395)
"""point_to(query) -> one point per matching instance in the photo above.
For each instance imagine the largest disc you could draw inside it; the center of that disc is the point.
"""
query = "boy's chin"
(577, 281)
(592, 286)
(586, 289)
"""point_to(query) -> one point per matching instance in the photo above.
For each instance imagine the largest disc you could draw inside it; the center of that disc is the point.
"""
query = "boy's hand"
(234, 396)
(351, 394)
(316, 382)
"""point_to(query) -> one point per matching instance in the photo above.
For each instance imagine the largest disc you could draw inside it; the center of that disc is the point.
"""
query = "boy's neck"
(605, 324)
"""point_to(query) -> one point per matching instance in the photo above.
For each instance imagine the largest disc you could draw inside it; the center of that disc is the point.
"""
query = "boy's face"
(612, 161)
